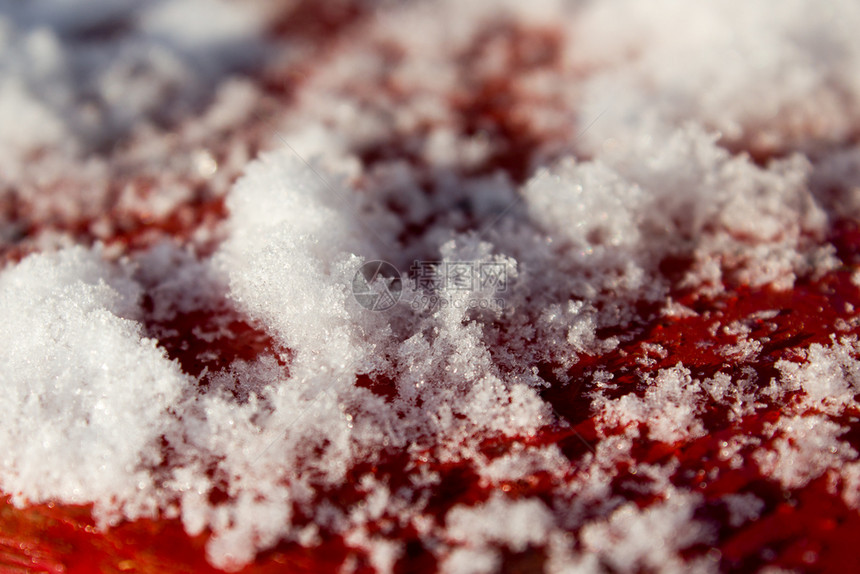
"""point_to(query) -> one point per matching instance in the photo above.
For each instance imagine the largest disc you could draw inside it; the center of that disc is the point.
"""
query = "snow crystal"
(738, 395)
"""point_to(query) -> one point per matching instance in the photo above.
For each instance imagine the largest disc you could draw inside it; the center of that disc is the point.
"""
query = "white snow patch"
(85, 394)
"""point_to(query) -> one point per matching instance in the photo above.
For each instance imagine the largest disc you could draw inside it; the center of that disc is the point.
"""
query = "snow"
(804, 448)
(669, 408)
(86, 396)
(743, 508)
(738, 68)
(829, 377)
(631, 538)
(291, 254)
(81, 94)
(477, 530)
(640, 133)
